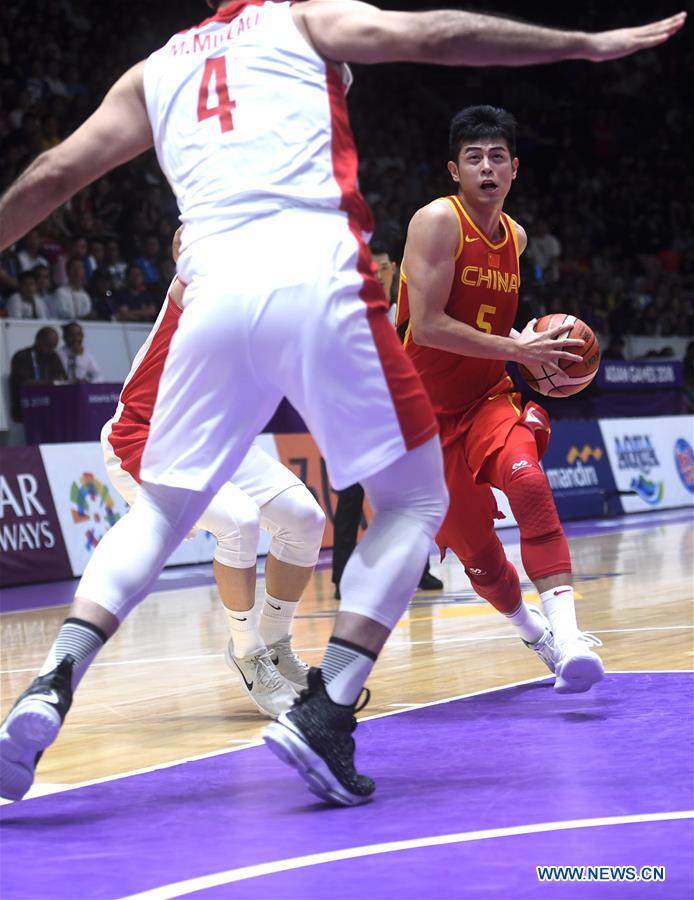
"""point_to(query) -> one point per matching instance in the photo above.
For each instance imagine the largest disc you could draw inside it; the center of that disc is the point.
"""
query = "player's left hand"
(621, 42)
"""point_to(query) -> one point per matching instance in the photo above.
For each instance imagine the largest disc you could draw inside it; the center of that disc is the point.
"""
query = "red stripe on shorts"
(412, 406)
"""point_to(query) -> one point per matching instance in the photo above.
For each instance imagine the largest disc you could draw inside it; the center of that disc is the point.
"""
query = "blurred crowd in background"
(605, 187)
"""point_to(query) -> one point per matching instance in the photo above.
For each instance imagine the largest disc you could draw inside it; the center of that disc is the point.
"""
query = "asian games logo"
(684, 462)
(92, 503)
(636, 451)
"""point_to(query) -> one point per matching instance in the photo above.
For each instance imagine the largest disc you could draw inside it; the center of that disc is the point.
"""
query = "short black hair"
(66, 328)
(26, 275)
(481, 123)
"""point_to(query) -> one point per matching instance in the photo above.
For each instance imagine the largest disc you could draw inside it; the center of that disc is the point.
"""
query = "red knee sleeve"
(494, 578)
(544, 548)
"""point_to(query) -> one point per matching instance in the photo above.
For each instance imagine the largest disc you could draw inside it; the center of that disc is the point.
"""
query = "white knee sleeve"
(410, 500)
(128, 559)
(296, 523)
(234, 520)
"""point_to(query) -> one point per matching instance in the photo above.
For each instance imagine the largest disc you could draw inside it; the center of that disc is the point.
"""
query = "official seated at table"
(78, 362)
(39, 364)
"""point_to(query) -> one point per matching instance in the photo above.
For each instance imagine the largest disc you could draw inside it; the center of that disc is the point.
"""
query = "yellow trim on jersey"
(461, 236)
(519, 412)
(484, 237)
(402, 280)
(514, 235)
(408, 335)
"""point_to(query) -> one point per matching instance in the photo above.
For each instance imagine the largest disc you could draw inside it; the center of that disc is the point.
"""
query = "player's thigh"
(213, 398)
(121, 480)
(469, 523)
(261, 476)
(360, 394)
(231, 514)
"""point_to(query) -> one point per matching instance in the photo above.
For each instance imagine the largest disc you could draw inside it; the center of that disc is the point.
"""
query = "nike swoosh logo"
(50, 697)
(245, 619)
(273, 605)
(249, 684)
(565, 591)
(469, 240)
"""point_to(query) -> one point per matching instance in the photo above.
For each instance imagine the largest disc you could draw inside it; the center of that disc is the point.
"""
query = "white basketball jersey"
(249, 120)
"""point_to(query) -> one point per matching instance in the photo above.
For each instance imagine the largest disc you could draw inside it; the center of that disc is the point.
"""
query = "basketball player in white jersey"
(249, 120)
(264, 494)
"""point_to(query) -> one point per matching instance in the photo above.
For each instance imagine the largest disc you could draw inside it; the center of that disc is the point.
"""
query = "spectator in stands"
(71, 300)
(78, 362)
(29, 256)
(114, 262)
(25, 304)
(9, 270)
(134, 302)
(544, 250)
(44, 294)
(149, 261)
(104, 305)
(615, 349)
(95, 258)
(39, 364)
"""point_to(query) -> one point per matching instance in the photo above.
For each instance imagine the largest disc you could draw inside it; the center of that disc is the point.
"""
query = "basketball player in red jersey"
(249, 120)
(457, 303)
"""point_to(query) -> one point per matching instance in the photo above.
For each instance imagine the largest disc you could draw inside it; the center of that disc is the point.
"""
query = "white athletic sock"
(345, 668)
(529, 627)
(79, 639)
(558, 604)
(276, 618)
(245, 637)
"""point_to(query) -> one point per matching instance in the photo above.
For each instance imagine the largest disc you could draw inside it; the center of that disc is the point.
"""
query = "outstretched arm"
(352, 31)
(116, 132)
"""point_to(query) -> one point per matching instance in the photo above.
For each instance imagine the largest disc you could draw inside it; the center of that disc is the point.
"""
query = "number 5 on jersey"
(483, 313)
(216, 67)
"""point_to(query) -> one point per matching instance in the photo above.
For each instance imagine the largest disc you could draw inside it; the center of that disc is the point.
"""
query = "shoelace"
(284, 648)
(267, 672)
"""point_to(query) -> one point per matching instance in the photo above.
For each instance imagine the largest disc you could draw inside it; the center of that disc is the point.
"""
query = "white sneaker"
(270, 692)
(545, 646)
(578, 667)
(290, 666)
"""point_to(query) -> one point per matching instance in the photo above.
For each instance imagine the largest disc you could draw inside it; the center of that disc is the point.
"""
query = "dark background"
(606, 151)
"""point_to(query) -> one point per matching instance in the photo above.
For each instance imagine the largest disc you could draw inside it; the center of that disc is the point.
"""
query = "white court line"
(191, 885)
(46, 789)
(398, 644)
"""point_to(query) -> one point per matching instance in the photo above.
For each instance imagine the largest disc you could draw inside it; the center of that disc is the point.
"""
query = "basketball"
(575, 376)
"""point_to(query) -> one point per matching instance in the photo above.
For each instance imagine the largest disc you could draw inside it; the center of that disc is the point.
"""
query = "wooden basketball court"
(160, 690)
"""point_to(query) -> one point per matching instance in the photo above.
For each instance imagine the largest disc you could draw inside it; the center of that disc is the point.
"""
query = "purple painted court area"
(508, 758)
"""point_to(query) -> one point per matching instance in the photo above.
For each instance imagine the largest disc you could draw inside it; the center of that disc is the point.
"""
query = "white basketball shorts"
(285, 306)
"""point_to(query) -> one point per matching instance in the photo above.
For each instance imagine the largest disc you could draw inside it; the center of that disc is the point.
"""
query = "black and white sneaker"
(32, 725)
(315, 738)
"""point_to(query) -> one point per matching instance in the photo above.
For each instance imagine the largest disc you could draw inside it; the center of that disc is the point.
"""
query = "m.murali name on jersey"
(205, 43)
(490, 279)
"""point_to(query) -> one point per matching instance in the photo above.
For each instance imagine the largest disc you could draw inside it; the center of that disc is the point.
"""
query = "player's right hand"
(546, 347)
(607, 45)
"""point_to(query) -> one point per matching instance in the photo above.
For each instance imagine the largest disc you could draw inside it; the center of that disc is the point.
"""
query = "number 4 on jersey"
(216, 66)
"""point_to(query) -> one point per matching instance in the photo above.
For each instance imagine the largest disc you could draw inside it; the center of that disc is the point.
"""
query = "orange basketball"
(574, 375)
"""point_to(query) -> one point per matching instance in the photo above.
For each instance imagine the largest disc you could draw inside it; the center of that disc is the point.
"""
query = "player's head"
(385, 266)
(482, 147)
(73, 337)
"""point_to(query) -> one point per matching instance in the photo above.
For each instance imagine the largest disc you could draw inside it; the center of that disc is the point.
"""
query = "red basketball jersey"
(484, 295)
